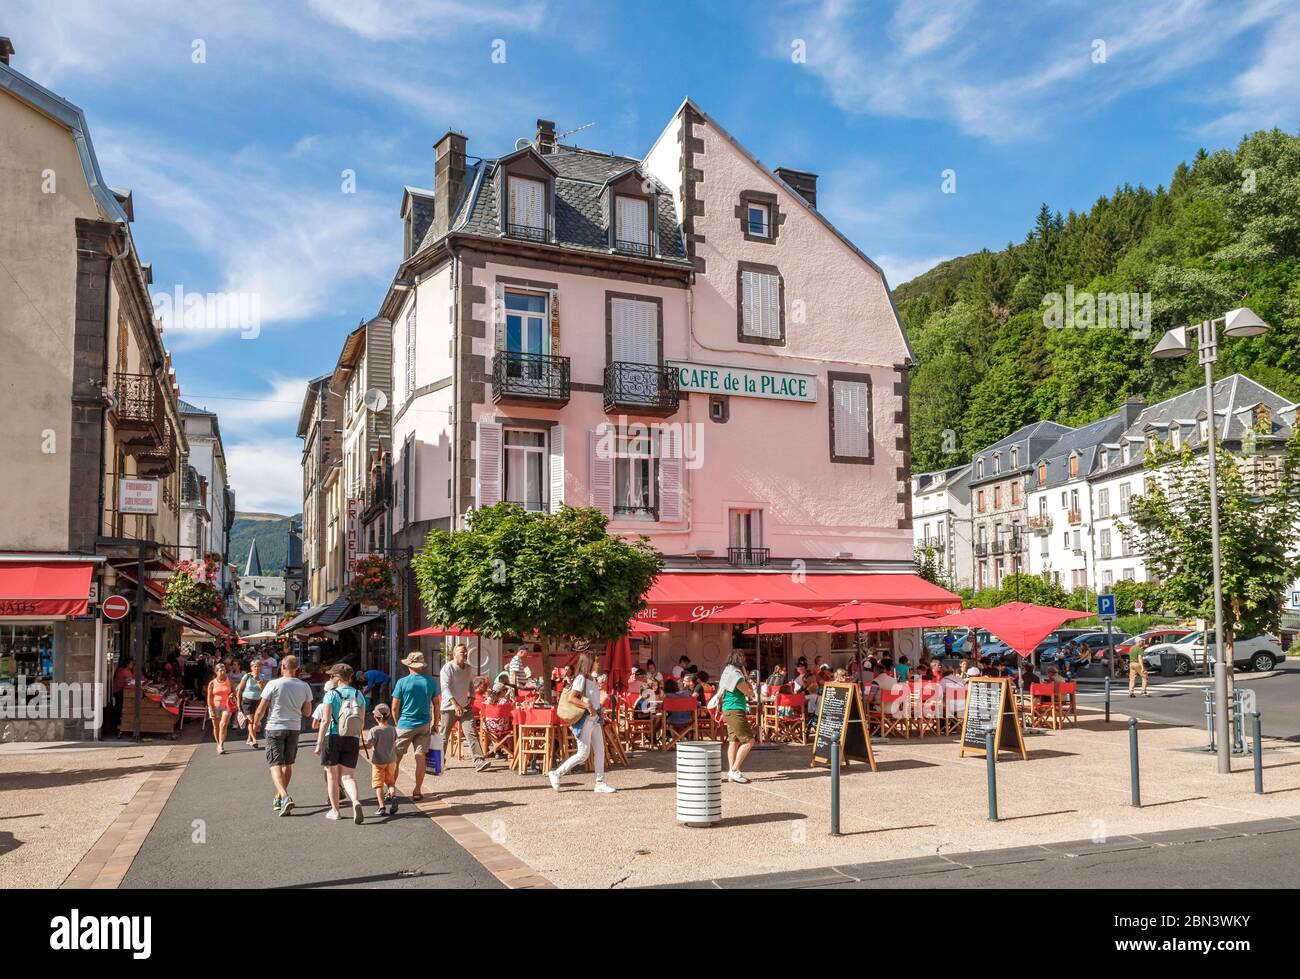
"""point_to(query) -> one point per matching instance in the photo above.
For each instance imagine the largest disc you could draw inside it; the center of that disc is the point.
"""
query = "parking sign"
(1106, 608)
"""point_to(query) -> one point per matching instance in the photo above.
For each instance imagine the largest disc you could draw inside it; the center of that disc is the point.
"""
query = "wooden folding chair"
(1067, 694)
(1044, 705)
(927, 709)
(641, 731)
(689, 730)
(954, 708)
(891, 714)
(535, 729)
(791, 724)
(455, 746)
(490, 743)
(767, 720)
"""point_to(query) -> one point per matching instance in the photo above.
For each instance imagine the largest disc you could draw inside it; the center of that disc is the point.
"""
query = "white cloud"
(1006, 77)
(277, 408)
(267, 474)
(393, 19)
(1267, 91)
(904, 268)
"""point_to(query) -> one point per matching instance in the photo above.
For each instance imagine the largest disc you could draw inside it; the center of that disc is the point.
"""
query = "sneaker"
(737, 777)
(381, 811)
(1132, 695)
(555, 780)
(276, 804)
(286, 807)
(390, 809)
(604, 788)
(332, 814)
(482, 766)
(358, 815)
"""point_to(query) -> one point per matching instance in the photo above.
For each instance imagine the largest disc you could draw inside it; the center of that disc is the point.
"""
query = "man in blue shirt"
(412, 706)
(375, 685)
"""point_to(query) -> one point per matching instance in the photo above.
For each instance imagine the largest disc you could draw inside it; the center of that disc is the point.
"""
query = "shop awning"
(338, 627)
(302, 619)
(36, 588)
(681, 596)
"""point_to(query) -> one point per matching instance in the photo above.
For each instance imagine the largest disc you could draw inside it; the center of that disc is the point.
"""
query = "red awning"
(37, 588)
(681, 596)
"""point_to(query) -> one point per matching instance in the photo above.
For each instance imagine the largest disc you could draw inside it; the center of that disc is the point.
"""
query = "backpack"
(350, 720)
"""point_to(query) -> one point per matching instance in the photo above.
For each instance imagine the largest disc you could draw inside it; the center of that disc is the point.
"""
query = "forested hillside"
(1225, 233)
(272, 533)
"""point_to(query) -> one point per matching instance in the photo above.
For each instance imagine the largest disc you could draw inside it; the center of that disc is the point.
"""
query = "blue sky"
(233, 123)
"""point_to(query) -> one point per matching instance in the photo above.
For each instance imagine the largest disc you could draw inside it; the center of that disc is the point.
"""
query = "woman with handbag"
(579, 707)
(248, 695)
(220, 692)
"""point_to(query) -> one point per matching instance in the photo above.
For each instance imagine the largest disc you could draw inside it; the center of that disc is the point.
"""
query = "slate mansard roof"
(1085, 442)
(580, 212)
(1033, 440)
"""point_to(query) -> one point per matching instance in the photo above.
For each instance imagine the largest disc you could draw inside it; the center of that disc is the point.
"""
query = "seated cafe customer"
(680, 718)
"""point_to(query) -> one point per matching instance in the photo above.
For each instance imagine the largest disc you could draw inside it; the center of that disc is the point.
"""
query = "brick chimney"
(448, 178)
(6, 49)
(801, 182)
(1132, 408)
(545, 136)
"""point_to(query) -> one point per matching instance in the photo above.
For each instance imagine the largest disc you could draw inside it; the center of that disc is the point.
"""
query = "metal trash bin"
(1168, 664)
(699, 782)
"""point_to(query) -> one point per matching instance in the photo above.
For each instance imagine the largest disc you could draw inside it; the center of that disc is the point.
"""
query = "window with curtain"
(636, 476)
(525, 468)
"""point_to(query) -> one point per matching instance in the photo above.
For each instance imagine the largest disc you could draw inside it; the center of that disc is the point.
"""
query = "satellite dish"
(523, 141)
(375, 400)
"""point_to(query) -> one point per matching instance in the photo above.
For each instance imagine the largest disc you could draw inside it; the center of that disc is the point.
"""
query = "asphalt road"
(1181, 700)
(1260, 854)
(218, 830)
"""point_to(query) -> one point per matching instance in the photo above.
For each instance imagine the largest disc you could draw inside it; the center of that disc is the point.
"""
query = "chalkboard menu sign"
(841, 718)
(991, 706)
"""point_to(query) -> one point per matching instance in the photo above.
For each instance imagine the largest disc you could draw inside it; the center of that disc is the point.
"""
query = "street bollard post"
(991, 756)
(835, 788)
(1133, 762)
(1108, 699)
(1209, 719)
(1259, 753)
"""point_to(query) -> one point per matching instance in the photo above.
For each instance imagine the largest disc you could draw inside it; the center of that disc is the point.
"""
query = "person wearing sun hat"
(412, 709)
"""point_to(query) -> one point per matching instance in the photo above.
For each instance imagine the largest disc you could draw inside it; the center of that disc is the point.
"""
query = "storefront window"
(27, 650)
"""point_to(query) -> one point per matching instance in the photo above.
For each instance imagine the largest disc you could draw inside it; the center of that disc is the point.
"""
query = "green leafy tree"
(1259, 497)
(927, 565)
(513, 572)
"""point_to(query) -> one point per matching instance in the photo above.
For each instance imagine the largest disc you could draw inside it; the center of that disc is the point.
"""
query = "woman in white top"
(585, 692)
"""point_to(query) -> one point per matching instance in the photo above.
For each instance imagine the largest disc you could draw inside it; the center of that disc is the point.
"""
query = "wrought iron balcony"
(158, 459)
(1040, 523)
(526, 231)
(981, 549)
(999, 547)
(648, 389)
(634, 247)
(748, 557)
(934, 543)
(138, 409)
(636, 512)
(526, 378)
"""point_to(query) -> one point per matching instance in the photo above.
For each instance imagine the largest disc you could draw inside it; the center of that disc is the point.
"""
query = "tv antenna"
(570, 132)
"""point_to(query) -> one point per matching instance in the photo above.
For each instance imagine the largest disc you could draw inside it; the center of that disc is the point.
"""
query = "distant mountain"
(271, 531)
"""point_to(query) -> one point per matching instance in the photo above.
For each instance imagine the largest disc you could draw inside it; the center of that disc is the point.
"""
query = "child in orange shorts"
(381, 750)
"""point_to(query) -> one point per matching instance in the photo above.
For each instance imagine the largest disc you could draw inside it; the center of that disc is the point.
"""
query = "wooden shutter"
(555, 467)
(635, 327)
(852, 435)
(527, 202)
(410, 355)
(632, 221)
(670, 476)
(488, 485)
(602, 477)
(761, 304)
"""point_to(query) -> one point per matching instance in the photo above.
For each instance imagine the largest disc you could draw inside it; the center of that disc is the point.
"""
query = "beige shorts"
(738, 726)
(417, 737)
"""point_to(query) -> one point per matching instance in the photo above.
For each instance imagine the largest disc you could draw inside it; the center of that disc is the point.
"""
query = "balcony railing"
(999, 547)
(527, 378)
(634, 247)
(981, 550)
(1040, 523)
(138, 409)
(1076, 517)
(526, 231)
(934, 543)
(650, 389)
(157, 459)
(748, 557)
(636, 512)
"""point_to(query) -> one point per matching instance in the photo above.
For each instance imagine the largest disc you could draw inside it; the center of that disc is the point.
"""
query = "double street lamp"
(1236, 323)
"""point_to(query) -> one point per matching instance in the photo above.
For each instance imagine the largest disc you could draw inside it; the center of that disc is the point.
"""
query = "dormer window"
(1104, 458)
(1074, 465)
(1176, 437)
(997, 463)
(979, 468)
(527, 208)
(1015, 457)
(1152, 441)
(1202, 429)
(1042, 473)
(631, 224)
(1263, 420)
(1125, 453)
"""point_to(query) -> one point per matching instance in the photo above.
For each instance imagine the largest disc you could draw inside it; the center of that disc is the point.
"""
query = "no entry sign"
(115, 607)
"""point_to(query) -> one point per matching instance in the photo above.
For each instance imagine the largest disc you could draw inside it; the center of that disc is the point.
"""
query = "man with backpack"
(338, 741)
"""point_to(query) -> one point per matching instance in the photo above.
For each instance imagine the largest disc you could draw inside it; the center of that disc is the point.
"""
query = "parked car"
(1258, 653)
(1154, 637)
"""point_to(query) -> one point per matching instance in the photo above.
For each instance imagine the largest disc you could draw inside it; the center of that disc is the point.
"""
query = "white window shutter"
(748, 306)
(670, 477)
(632, 220)
(410, 355)
(771, 307)
(852, 438)
(555, 464)
(602, 478)
(636, 331)
(488, 485)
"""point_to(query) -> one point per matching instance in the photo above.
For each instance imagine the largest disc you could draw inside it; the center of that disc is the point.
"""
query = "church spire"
(254, 566)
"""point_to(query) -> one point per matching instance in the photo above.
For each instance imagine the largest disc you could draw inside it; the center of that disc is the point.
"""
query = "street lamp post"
(1236, 323)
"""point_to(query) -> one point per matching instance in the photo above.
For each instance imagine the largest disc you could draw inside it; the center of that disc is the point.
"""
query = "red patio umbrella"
(442, 630)
(619, 666)
(859, 612)
(1020, 625)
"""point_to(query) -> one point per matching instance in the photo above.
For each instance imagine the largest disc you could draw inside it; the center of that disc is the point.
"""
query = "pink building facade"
(681, 340)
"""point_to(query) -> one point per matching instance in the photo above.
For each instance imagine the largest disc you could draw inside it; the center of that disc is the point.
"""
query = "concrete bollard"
(1133, 762)
(991, 761)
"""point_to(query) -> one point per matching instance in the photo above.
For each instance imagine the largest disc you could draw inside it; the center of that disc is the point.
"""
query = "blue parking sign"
(1106, 608)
